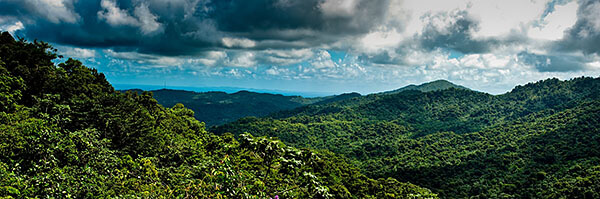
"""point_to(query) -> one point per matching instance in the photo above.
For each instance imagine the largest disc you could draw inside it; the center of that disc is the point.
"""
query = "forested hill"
(429, 86)
(540, 140)
(216, 108)
(65, 133)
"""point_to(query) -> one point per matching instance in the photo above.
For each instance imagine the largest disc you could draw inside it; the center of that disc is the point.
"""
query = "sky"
(318, 46)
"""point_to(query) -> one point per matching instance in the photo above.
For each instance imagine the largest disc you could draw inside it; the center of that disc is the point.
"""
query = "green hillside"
(65, 133)
(456, 141)
(427, 87)
(216, 108)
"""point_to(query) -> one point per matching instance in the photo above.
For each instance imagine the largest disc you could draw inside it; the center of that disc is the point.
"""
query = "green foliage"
(427, 87)
(10, 89)
(215, 108)
(65, 133)
(457, 142)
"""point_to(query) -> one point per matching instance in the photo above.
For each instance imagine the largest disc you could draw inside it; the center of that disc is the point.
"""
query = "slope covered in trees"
(458, 142)
(429, 86)
(65, 133)
(216, 108)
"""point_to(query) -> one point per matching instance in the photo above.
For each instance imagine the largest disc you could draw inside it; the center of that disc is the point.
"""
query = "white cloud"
(293, 53)
(127, 55)
(147, 60)
(416, 9)
(595, 64)
(55, 11)
(381, 39)
(485, 61)
(322, 60)
(280, 72)
(286, 57)
(216, 54)
(499, 18)
(166, 61)
(11, 28)
(238, 42)
(80, 53)
(496, 18)
(236, 73)
(241, 59)
(553, 25)
(210, 58)
(338, 8)
(147, 21)
(115, 16)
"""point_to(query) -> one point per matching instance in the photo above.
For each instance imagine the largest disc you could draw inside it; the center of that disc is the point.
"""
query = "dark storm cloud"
(194, 27)
(187, 27)
(585, 34)
(551, 63)
(456, 35)
(248, 17)
(8, 8)
(178, 34)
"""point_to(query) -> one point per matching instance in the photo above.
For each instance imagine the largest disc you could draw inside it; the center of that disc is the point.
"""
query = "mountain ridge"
(218, 107)
(440, 84)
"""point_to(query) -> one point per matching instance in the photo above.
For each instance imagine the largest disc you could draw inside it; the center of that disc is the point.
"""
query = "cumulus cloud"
(210, 58)
(241, 59)
(380, 40)
(55, 11)
(80, 53)
(323, 60)
(12, 27)
(553, 25)
(113, 15)
(585, 34)
(236, 42)
(285, 57)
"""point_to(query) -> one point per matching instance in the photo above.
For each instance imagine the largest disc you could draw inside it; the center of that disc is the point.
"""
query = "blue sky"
(318, 46)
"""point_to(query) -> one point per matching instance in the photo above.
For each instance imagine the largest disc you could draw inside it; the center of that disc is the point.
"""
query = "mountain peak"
(436, 85)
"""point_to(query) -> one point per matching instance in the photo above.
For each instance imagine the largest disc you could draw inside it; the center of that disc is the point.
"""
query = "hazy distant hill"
(427, 87)
(216, 108)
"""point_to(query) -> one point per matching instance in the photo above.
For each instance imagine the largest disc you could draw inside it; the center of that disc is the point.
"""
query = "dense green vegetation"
(65, 133)
(216, 108)
(427, 87)
(538, 141)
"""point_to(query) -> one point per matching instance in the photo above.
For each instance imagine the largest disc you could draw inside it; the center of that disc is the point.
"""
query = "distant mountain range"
(216, 108)
(225, 89)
